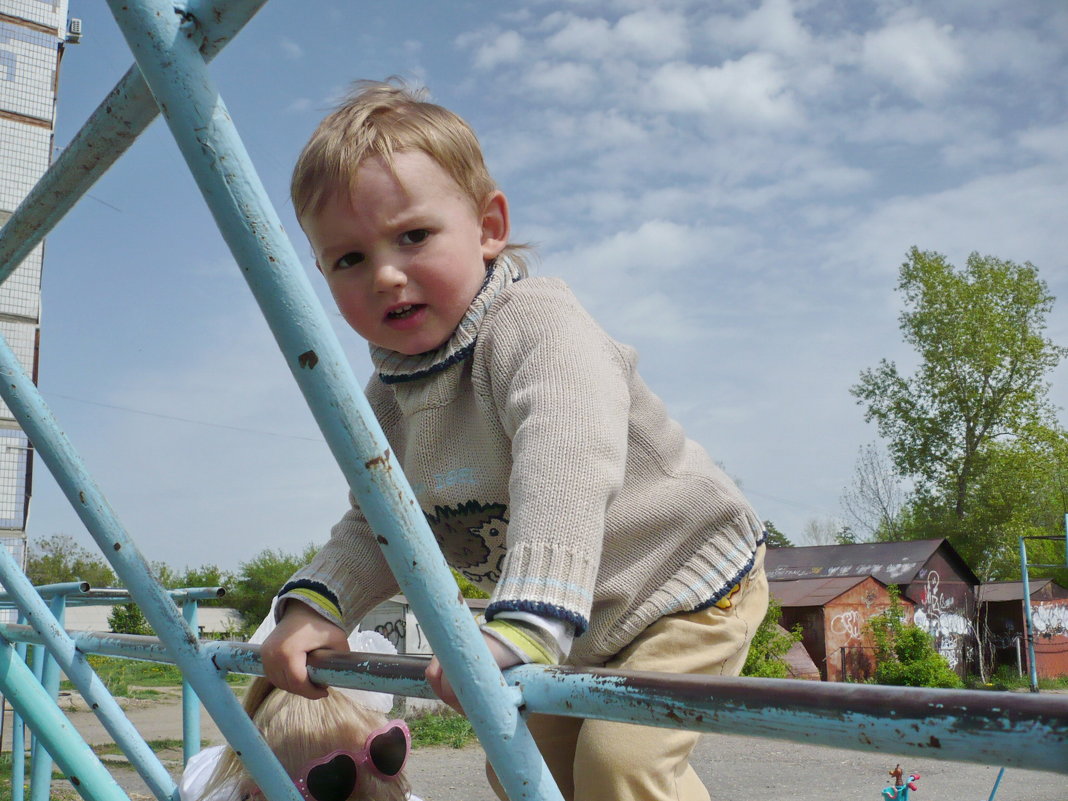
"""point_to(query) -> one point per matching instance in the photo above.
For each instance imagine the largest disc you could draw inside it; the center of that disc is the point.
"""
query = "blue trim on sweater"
(734, 582)
(452, 359)
(541, 609)
(315, 586)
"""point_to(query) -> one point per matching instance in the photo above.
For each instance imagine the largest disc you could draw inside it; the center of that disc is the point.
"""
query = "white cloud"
(653, 34)
(503, 48)
(773, 26)
(918, 56)
(567, 82)
(291, 49)
(647, 35)
(750, 90)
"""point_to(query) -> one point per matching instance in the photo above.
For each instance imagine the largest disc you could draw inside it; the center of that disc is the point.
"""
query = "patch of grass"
(445, 728)
(166, 744)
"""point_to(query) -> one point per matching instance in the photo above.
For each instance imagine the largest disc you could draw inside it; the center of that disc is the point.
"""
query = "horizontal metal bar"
(32, 702)
(104, 596)
(72, 661)
(1020, 730)
(52, 590)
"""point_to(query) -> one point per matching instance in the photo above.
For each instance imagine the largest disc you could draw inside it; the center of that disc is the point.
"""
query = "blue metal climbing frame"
(172, 43)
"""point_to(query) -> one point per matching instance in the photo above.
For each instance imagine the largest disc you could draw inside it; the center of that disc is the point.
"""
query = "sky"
(729, 187)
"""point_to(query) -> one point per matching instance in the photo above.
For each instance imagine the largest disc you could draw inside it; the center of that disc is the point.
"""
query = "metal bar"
(1020, 730)
(1033, 668)
(106, 596)
(190, 702)
(997, 781)
(36, 419)
(166, 52)
(972, 726)
(107, 134)
(49, 631)
(18, 736)
(41, 764)
(76, 759)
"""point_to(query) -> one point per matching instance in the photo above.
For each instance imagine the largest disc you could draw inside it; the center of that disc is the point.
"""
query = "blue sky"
(730, 187)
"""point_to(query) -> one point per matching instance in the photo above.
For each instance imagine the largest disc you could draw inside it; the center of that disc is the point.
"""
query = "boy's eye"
(414, 237)
(348, 260)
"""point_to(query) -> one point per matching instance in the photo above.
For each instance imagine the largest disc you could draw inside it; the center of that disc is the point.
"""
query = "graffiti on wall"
(938, 616)
(394, 631)
(849, 624)
(1049, 620)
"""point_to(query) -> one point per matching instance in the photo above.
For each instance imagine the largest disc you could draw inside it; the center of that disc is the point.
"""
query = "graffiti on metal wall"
(394, 631)
(937, 616)
(1049, 620)
(849, 624)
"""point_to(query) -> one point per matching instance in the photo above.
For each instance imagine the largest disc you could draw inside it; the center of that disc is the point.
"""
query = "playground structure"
(172, 43)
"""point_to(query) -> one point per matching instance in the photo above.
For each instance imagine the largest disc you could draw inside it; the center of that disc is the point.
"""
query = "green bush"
(905, 655)
(770, 645)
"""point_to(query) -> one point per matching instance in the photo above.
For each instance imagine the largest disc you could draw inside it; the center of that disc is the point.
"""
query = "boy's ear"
(495, 225)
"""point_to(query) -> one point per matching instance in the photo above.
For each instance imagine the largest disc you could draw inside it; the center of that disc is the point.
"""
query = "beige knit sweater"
(553, 478)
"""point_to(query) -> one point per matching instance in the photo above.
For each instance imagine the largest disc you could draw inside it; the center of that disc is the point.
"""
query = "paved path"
(735, 768)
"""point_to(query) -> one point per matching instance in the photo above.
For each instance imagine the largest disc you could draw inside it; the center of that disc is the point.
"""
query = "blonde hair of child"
(299, 730)
(380, 119)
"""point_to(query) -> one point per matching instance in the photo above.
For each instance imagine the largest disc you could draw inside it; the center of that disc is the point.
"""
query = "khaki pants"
(598, 760)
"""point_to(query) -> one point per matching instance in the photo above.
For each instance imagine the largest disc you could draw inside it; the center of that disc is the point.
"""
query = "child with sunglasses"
(548, 471)
(335, 749)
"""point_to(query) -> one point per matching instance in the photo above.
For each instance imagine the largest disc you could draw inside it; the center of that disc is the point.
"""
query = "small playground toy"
(900, 789)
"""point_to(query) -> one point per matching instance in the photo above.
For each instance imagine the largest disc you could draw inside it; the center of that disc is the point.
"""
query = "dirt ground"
(733, 767)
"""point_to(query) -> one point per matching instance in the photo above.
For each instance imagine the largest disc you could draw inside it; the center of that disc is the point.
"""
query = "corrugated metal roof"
(890, 562)
(995, 591)
(812, 592)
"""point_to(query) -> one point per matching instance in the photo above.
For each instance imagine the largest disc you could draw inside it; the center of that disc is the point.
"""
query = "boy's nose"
(389, 277)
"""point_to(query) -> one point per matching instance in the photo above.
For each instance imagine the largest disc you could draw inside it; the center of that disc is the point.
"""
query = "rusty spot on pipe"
(75, 780)
(81, 496)
(934, 742)
(382, 540)
(308, 359)
(118, 546)
(378, 461)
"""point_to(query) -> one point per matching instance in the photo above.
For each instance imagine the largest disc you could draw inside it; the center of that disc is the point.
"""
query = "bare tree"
(825, 531)
(874, 501)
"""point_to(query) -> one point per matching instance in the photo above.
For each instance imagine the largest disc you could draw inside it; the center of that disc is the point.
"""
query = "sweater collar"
(396, 368)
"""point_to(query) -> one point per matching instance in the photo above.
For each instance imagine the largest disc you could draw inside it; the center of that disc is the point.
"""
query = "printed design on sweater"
(472, 538)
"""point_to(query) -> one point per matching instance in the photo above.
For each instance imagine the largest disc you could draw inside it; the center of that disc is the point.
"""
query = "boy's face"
(406, 252)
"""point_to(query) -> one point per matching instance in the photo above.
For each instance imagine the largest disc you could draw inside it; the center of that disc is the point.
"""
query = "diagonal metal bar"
(67, 467)
(108, 133)
(73, 663)
(76, 759)
(166, 51)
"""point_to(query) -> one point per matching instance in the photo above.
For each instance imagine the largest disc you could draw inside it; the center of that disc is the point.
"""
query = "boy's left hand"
(436, 677)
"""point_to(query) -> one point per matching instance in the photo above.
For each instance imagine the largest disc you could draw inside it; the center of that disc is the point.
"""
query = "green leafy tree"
(58, 559)
(977, 402)
(128, 619)
(983, 359)
(467, 588)
(905, 655)
(775, 538)
(770, 645)
(259, 579)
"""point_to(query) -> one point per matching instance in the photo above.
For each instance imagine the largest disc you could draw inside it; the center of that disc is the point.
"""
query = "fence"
(172, 44)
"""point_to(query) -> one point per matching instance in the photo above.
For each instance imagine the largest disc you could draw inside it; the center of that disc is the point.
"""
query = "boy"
(548, 471)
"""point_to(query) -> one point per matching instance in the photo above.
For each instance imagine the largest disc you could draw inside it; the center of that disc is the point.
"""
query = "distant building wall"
(211, 620)
(32, 35)
(945, 608)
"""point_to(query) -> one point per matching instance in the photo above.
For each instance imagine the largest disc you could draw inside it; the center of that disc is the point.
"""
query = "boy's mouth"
(401, 312)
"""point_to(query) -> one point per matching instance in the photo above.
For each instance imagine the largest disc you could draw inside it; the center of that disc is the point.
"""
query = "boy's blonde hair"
(381, 119)
(299, 730)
